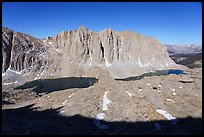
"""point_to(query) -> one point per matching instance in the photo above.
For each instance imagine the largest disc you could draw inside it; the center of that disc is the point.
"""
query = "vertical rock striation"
(120, 53)
(114, 50)
(21, 51)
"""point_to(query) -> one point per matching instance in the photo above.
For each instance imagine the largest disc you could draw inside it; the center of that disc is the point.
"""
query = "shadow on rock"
(4, 102)
(51, 85)
(27, 120)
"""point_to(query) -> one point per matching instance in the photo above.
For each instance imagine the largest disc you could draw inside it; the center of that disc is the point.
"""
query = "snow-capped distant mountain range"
(183, 49)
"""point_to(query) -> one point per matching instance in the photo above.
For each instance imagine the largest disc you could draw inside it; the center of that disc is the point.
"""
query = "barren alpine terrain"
(81, 82)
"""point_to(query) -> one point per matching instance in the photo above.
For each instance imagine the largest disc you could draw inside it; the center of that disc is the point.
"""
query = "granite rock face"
(109, 47)
(118, 52)
(21, 51)
(122, 54)
(7, 38)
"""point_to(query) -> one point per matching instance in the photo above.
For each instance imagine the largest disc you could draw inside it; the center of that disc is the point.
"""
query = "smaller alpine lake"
(156, 73)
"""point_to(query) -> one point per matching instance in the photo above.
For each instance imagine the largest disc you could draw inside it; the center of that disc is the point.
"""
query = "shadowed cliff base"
(4, 102)
(51, 85)
(193, 60)
(27, 120)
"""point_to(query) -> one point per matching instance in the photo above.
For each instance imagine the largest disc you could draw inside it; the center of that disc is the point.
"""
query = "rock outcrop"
(109, 47)
(21, 51)
(122, 54)
(7, 38)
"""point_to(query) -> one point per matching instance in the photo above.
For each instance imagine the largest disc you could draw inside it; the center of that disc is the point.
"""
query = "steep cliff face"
(121, 54)
(21, 51)
(116, 51)
(7, 38)
(109, 47)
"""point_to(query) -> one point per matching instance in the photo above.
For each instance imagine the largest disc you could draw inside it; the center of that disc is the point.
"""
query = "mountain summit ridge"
(122, 54)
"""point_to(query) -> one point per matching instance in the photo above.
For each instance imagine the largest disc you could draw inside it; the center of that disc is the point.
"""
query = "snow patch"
(130, 94)
(44, 41)
(71, 95)
(180, 87)
(17, 72)
(90, 56)
(7, 83)
(167, 115)
(62, 111)
(106, 62)
(139, 62)
(159, 86)
(158, 91)
(58, 50)
(173, 89)
(35, 78)
(99, 117)
(64, 102)
(148, 84)
(3, 74)
(106, 101)
(170, 100)
(174, 93)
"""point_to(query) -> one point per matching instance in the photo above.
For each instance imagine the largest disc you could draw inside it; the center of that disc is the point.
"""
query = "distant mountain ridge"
(183, 49)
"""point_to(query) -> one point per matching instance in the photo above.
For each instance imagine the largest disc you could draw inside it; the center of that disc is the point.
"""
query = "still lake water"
(156, 73)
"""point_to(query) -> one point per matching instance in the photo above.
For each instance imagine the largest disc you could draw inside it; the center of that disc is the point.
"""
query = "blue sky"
(168, 22)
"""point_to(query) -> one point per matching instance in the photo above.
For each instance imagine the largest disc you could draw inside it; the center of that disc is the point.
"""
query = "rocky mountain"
(21, 51)
(80, 82)
(119, 54)
(187, 55)
(183, 49)
(189, 60)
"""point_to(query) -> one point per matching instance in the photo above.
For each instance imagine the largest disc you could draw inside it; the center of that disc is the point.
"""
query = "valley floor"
(153, 105)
